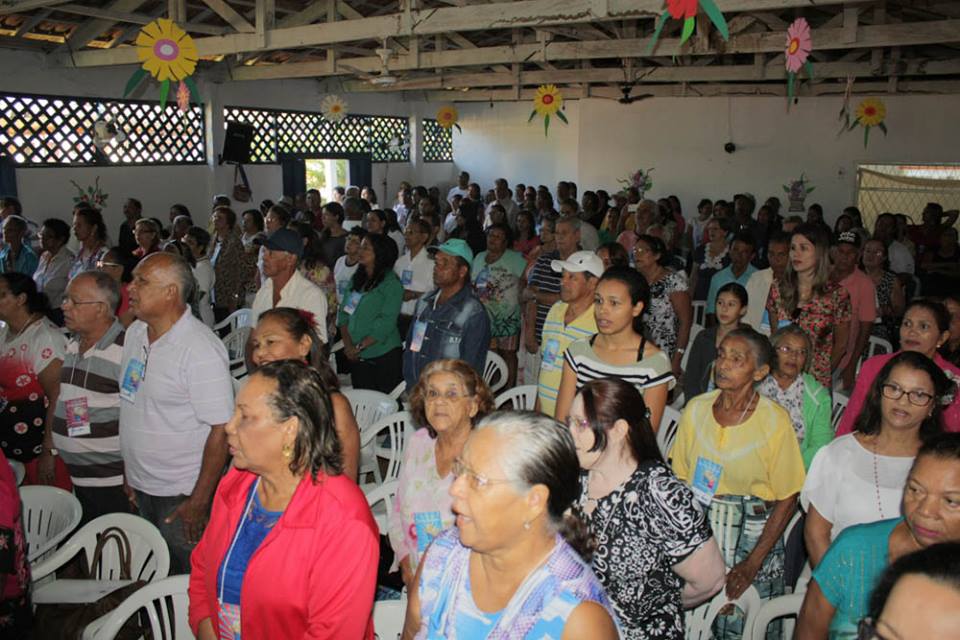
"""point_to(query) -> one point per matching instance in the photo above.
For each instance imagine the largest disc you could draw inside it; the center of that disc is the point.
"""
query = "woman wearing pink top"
(925, 327)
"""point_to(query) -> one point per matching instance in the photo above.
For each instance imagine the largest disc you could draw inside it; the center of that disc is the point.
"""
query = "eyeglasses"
(580, 424)
(101, 264)
(787, 351)
(77, 303)
(474, 479)
(916, 397)
(450, 395)
(868, 629)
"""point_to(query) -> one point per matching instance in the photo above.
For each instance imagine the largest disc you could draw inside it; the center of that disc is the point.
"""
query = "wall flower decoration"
(871, 112)
(547, 102)
(799, 46)
(334, 108)
(686, 10)
(447, 117)
(168, 54)
(639, 179)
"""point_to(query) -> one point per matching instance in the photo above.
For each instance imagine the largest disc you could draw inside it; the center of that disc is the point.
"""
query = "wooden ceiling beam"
(93, 29)
(112, 16)
(12, 6)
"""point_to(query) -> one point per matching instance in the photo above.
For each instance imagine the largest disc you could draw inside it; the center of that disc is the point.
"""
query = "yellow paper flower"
(447, 117)
(167, 52)
(548, 100)
(333, 108)
(871, 112)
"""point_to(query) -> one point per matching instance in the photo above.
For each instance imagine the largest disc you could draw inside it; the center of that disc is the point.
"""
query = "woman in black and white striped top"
(620, 349)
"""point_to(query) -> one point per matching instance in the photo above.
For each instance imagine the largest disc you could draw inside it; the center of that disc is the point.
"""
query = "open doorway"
(323, 174)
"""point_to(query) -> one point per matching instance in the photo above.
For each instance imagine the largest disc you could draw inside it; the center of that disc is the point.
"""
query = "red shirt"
(315, 573)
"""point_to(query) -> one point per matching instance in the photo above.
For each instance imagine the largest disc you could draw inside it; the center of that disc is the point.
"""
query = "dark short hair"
(472, 382)
(618, 255)
(229, 213)
(201, 235)
(935, 307)
(746, 238)
(657, 246)
(257, 217)
(336, 209)
(358, 231)
(507, 231)
(22, 284)
(180, 209)
(422, 225)
(95, 219)
(939, 562)
(60, 229)
(301, 393)
(779, 237)
(281, 212)
(610, 399)
(737, 290)
(10, 201)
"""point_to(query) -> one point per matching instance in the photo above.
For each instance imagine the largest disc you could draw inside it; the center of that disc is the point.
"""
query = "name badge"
(706, 480)
(342, 288)
(407, 278)
(352, 303)
(78, 417)
(419, 331)
(551, 354)
(429, 526)
(482, 279)
(132, 378)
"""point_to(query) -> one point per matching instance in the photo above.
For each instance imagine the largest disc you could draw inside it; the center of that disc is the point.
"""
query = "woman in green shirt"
(368, 317)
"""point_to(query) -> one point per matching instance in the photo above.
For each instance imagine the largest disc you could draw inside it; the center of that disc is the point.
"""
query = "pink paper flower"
(799, 44)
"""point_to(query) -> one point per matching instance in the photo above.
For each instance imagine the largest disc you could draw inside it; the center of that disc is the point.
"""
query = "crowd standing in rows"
(591, 516)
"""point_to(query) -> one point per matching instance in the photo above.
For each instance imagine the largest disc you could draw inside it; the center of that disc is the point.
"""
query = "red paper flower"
(682, 8)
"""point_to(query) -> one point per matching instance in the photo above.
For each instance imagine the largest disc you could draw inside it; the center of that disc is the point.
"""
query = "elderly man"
(569, 320)
(504, 199)
(462, 188)
(176, 395)
(643, 216)
(86, 419)
(450, 321)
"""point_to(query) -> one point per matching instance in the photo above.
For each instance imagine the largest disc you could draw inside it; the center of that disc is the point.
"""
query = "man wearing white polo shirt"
(176, 395)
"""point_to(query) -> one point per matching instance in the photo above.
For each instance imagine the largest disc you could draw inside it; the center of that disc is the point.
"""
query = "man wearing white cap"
(569, 320)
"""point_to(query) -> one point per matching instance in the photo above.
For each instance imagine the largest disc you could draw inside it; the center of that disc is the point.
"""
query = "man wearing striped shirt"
(87, 415)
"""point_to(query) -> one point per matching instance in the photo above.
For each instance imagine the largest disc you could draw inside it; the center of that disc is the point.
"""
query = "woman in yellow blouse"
(737, 451)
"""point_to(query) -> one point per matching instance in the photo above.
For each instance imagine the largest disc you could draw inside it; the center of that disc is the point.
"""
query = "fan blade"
(363, 74)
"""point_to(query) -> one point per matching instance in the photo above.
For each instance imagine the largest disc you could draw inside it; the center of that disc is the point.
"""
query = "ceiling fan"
(626, 89)
(383, 77)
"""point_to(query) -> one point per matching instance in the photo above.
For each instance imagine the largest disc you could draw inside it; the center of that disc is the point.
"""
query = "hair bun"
(577, 535)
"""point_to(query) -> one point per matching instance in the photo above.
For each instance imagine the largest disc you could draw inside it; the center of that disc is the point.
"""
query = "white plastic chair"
(19, 471)
(236, 344)
(667, 433)
(875, 346)
(839, 406)
(369, 405)
(495, 372)
(380, 500)
(166, 604)
(699, 312)
(398, 390)
(695, 328)
(149, 556)
(49, 515)
(699, 620)
(383, 439)
(388, 616)
(779, 607)
(236, 320)
(522, 398)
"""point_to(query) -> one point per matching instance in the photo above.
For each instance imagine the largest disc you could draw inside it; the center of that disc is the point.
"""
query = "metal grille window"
(46, 131)
(307, 133)
(905, 188)
(437, 142)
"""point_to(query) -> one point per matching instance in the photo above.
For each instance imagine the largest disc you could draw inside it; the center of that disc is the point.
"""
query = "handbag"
(241, 189)
(69, 620)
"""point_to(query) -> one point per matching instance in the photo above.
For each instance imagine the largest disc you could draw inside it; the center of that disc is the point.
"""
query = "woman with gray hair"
(507, 569)
(792, 387)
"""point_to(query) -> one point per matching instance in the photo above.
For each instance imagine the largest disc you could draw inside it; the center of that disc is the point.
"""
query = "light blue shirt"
(722, 277)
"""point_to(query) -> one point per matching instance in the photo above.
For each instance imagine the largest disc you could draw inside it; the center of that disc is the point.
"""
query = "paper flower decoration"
(799, 46)
(547, 102)
(640, 179)
(168, 54)
(447, 117)
(92, 195)
(797, 191)
(686, 10)
(334, 108)
(871, 112)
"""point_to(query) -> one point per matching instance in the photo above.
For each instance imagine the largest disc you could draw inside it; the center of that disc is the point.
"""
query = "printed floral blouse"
(817, 318)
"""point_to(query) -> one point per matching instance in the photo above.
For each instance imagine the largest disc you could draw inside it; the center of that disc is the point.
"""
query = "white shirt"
(204, 275)
(298, 293)
(456, 191)
(416, 274)
(185, 390)
(350, 224)
(758, 289)
(900, 259)
(342, 274)
(52, 276)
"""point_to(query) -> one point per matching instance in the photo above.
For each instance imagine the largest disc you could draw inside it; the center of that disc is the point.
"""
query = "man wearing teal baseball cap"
(450, 321)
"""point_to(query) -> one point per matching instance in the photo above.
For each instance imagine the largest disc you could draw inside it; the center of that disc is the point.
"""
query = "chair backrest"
(380, 501)
(667, 432)
(236, 343)
(165, 603)
(522, 398)
(237, 319)
(49, 515)
(398, 390)
(699, 620)
(495, 372)
(368, 405)
(699, 312)
(19, 471)
(388, 618)
(385, 439)
(839, 406)
(695, 328)
(149, 556)
(770, 610)
(875, 346)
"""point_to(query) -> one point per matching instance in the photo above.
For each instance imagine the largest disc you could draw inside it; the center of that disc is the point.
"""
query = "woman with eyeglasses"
(838, 595)
(511, 567)
(671, 314)
(806, 297)
(448, 400)
(792, 387)
(655, 554)
(890, 295)
(924, 329)
(119, 265)
(147, 233)
(859, 476)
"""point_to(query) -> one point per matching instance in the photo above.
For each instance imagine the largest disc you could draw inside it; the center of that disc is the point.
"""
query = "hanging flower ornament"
(799, 46)
(686, 10)
(168, 54)
(447, 117)
(547, 102)
(334, 108)
(871, 112)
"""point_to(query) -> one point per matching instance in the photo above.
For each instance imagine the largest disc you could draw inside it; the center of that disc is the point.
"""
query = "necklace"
(745, 409)
(25, 326)
(876, 480)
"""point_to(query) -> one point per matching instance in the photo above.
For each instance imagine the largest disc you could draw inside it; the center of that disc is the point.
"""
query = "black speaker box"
(236, 144)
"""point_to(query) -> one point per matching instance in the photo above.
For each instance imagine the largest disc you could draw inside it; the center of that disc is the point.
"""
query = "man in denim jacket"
(450, 321)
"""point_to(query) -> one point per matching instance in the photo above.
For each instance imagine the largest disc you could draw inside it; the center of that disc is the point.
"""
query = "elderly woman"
(368, 317)
(233, 269)
(655, 554)
(859, 477)
(91, 231)
(449, 399)
(283, 333)
(291, 547)
(53, 270)
(738, 451)
(670, 314)
(147, 233)
(838, 595)
(793, 388)
(31, 354)
(925, 328)
(507, 569)
(619, 349)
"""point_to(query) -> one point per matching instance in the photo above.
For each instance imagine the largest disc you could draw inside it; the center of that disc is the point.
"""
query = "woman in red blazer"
(291, 548)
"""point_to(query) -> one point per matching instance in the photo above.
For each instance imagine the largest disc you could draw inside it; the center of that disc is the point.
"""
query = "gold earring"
(287, 451)
(526, 525)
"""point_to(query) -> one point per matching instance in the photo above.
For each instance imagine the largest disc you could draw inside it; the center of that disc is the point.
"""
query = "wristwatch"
(52, 451)
(681, 350)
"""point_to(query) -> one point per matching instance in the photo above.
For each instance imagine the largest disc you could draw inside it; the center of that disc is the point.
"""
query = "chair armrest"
(56, 560)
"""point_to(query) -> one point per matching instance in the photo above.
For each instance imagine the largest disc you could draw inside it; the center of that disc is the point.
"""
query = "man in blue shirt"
(450, 321)
(741, 255)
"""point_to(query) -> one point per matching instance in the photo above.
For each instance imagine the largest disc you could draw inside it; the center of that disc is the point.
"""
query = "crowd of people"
(588, 517)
